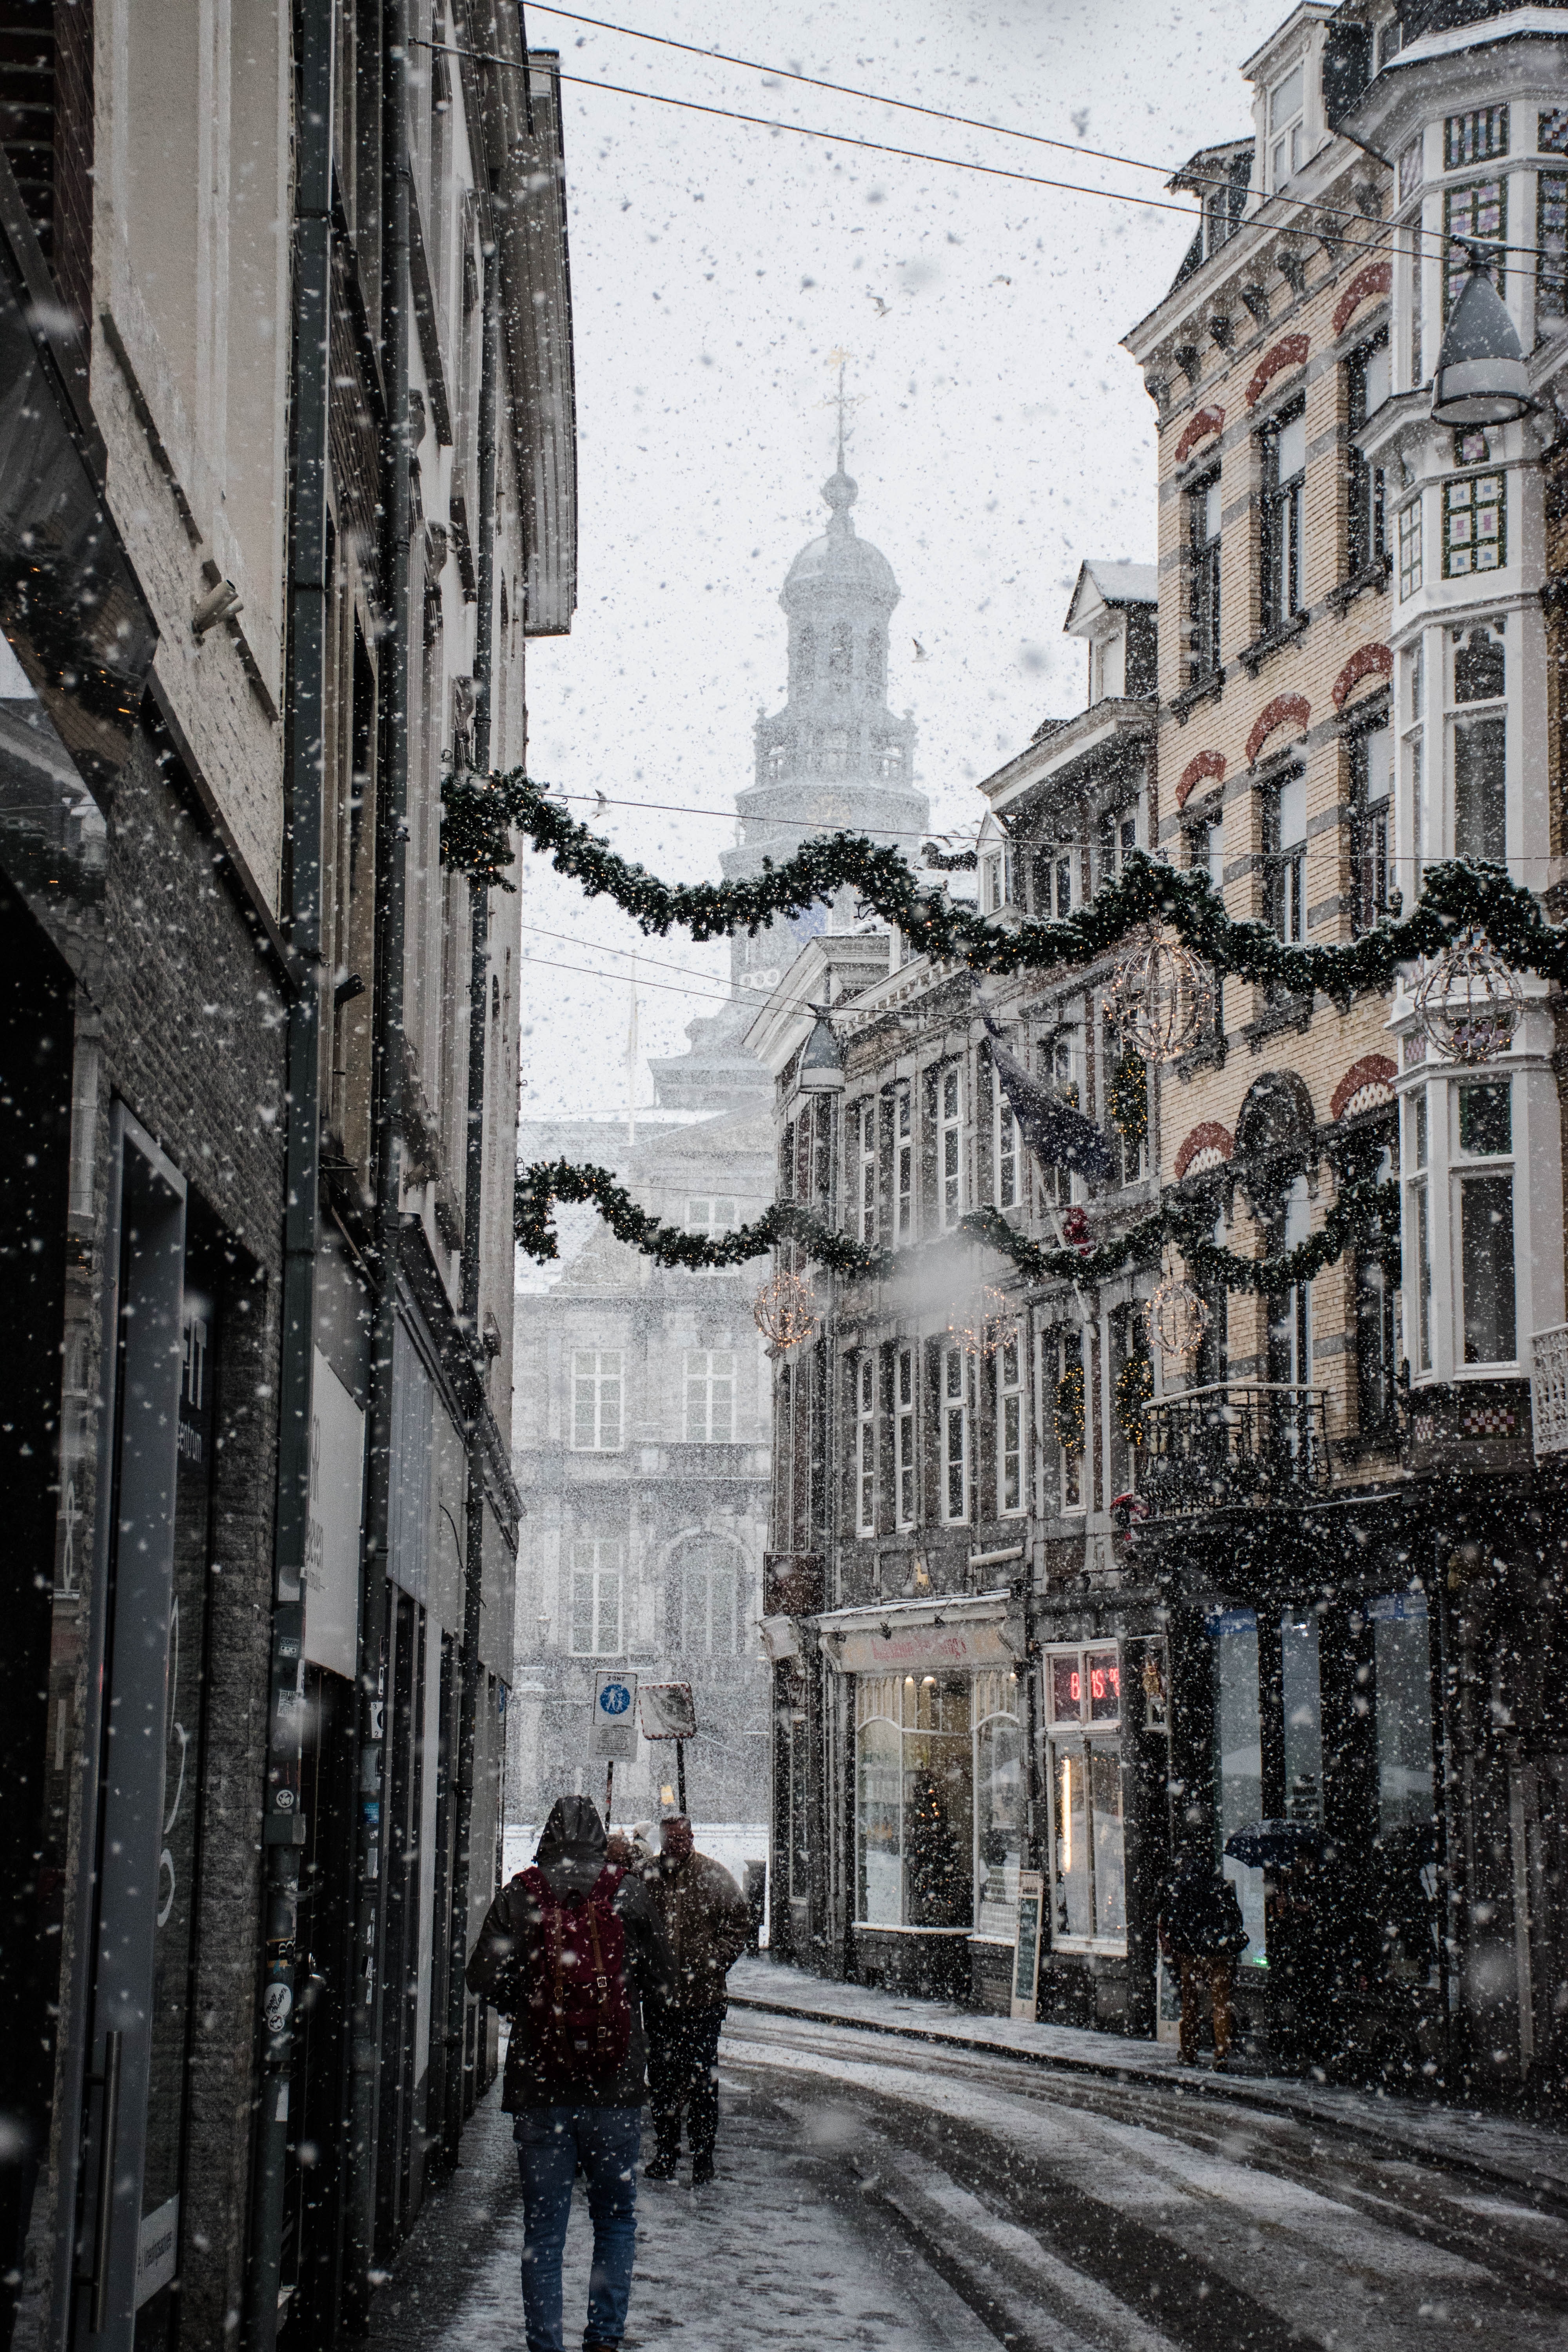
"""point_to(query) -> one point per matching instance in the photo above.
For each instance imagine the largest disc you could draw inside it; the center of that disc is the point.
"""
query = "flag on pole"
(1057, 1135)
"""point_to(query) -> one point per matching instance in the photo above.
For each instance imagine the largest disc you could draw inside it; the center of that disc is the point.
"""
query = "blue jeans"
(551, 2144)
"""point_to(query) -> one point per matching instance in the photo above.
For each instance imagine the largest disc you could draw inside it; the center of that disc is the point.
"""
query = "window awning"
(968, 1631)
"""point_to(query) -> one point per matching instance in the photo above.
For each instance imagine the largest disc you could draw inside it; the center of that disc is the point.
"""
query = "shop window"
(1486, 1224)
(799, 1818)
(950, 1143)
(1302, 1699)
(1552, 245)
(1409, 549)
(596, 1598)
(904, 1159)
(709, 1396)
(1473, 216)
(1238, 1760)
(1475, 525)
(904, 1434)
(1009, 1363)
(1366, 389)
(1000, 1798)
(954, 1436)
(1402, 1671)
(1371, 825)
(1203, 579)
(914, 1800)
(1089, 1875)
(866, 1442)
(596, 1394)
(1284, 859)
(1377, 1366)
(1284, 461)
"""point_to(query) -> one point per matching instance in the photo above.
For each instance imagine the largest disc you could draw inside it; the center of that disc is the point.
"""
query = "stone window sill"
(1253, 656)
(1204, 689)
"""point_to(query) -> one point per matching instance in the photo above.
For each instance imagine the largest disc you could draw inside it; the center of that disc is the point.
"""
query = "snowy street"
(879, 2190)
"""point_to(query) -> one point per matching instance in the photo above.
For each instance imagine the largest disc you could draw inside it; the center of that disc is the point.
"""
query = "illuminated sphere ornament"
(1177, 1318)
(784, 1312)
(1467, 1003)
(1159, 998)
(990, 1324)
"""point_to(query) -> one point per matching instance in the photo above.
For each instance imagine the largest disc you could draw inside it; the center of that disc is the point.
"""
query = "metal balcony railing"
(1233, 1441)
(1548, 1391)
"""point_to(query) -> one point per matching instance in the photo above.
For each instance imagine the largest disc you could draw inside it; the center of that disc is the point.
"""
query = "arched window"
(705, 1598)
(841, 660)
(804, 656)
(877, 661)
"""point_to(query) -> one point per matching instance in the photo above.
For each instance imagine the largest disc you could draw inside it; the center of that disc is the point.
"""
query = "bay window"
(1478, 733)
(1484, 1178)
(1088, 1874)
(1418, 1224)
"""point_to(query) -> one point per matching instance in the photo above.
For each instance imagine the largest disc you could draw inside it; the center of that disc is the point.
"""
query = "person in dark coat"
(1201, 1929)
(575, 2108)
(706, 1922)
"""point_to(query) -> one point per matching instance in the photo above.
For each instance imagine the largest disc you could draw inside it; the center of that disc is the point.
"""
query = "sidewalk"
(1498, 2148)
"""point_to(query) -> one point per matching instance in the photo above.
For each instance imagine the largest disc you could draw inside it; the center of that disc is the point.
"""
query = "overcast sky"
(1002, 434)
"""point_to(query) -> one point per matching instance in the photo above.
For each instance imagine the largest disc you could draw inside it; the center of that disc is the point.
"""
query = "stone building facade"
(1312, 1567)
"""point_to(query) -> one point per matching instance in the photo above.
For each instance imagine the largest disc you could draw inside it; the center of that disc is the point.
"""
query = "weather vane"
(841, 400)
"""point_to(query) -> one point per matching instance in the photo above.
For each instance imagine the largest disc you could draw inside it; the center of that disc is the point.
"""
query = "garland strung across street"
(1365, 1212)
(480, 812)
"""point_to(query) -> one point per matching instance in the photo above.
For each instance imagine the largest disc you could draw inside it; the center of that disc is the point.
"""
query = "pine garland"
(1458, 895)
(1365, 1212)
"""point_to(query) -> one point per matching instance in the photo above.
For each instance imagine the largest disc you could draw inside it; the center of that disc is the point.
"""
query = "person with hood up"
(1201, 1929)
(706, 1922)
(573, 1953)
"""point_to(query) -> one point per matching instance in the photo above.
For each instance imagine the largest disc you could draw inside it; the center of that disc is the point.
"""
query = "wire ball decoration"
(990, 1323)
(1161, 997)
(784, 1312)
(1178, 1318)
(1467, 1003)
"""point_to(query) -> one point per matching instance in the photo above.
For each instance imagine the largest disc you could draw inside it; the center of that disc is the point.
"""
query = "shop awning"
(968, 1631)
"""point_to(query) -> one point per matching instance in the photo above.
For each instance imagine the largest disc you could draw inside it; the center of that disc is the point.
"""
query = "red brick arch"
(1289, 351)
(1209, 764)
(1198, 428)
(1372, 1070)
(1208, 1137)
(1293, 707)
(1376, 278)
(1367, 661)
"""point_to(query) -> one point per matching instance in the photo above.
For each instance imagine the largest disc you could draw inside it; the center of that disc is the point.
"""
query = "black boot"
(664, 2165)
(701, 2168)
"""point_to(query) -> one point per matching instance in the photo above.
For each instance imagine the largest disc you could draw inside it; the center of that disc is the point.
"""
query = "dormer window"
(1107, 664)
(1286, 126)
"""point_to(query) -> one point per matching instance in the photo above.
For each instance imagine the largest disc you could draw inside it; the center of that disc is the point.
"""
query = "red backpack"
(579, 2013)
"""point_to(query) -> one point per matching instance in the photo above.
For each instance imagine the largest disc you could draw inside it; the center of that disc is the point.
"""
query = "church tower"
(835, 758)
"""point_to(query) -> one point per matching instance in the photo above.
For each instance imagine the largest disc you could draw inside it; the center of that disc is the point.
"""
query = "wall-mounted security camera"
(219, 603)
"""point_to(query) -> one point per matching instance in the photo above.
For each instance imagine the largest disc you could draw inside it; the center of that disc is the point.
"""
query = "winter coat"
(1202, 1916)
(706, 1922)
(572, 1857)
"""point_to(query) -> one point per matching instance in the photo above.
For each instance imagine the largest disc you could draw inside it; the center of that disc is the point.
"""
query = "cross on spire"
(841, 400)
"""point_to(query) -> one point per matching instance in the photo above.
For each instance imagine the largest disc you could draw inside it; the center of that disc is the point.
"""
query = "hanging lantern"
(1177, 1318)
(1467, 1003)
(784, 1312)
(993, 1324)
(1161, 998)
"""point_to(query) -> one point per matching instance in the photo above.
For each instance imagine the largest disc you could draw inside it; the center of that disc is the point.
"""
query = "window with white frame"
(710, 1214)
(1058, 1068)
(596, 1597)
(1418, 1227)
(860, 1168)
(1064, 1386)
(866, 1442)
(1052, 885)
(1009, 1361)
(1409, 549)
(1005, 1148)
(904, 1421)
(709, 1396)
(955, 1435)
(950, 1141)
(1483, 1180)
(1284, 455)
(1284, 859)
(1089, 1870)
(1478, 729)
(904, 1160)
(1287, 126)
(1412, 741)
(597, 1394)
(704, 1599)
(1117, 835)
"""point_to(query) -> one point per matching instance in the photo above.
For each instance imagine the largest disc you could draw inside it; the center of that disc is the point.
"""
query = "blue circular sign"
(614, 1698)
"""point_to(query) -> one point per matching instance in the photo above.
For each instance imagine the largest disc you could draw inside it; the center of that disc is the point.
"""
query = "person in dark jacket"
(573, 2108)
(706, 1922)
(1201, 1929)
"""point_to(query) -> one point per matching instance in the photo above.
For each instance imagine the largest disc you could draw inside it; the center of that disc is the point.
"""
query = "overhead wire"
(735, 817)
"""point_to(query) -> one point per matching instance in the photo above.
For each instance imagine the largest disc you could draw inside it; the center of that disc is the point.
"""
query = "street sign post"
(669, 1711)
(613, 1732)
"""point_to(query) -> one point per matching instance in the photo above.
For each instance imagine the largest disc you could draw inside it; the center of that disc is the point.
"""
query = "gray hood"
(572, 1849)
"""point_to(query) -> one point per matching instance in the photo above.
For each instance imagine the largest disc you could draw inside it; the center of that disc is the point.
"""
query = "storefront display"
(940, 1800)
(1088, 1874)
(1238, 1760)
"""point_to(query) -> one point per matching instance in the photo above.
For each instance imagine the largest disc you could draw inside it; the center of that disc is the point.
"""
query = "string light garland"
(479, 814)
(1467, 1003)
(1178, 1318)
(990, 1324)
(784, 1312)
(1365, 1212)
(1161, 998)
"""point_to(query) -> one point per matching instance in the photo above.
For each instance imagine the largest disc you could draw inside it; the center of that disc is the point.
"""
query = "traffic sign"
(613, 1733)
(669, 1711)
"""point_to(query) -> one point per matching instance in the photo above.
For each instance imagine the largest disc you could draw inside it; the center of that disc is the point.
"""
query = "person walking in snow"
(1201, 1929)
(706, 1922)
(573, 1952)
